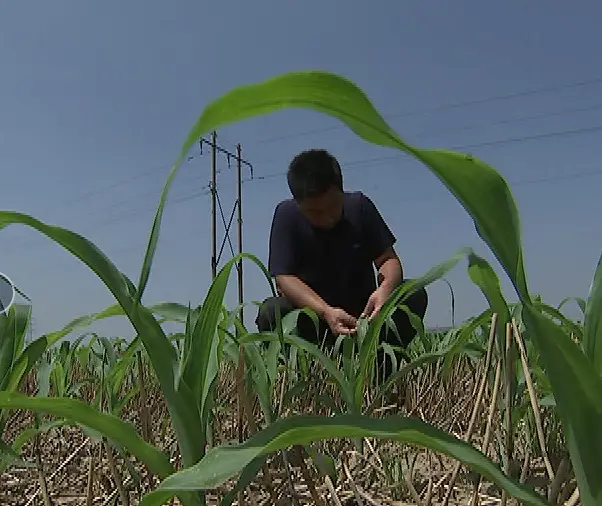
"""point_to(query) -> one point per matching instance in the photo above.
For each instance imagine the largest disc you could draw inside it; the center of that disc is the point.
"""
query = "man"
(324, 244)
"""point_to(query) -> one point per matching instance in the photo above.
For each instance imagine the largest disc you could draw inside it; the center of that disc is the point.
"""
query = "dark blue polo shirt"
(338, 263)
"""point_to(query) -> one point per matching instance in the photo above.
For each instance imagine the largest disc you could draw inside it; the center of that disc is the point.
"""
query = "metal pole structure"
(213, 205)
(239, 209)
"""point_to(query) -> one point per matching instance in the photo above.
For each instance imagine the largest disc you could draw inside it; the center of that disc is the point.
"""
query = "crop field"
(464, 396)
(506, 408)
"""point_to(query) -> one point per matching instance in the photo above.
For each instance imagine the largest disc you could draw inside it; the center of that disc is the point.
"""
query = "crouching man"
(324, 245)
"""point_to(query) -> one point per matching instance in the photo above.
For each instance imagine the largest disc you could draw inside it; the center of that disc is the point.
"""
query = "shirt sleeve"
(378, 234)
(282, 257)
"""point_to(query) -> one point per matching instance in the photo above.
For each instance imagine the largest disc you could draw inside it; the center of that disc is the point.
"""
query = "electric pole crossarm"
(219, 149)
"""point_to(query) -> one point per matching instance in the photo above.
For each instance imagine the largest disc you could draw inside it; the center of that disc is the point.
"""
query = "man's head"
(316, 183)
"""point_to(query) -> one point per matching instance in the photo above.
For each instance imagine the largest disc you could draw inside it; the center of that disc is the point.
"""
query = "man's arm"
(283, 263)
(390, 271)
(301, 295)
(381, 243)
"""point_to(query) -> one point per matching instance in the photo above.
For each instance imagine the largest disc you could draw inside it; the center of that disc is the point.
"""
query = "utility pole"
(239, 208)
(216, 206)
(213, 204)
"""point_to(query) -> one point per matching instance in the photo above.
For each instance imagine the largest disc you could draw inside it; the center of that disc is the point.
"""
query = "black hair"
(312, 173)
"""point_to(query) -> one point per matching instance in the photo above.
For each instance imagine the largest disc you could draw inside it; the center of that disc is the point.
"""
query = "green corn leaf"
(426, 358)
(24, 363)
(45, 366)
(13, 326)
(14, 361)
(12, 458)
(28, 434)
(478, 187)
(344, 385)
(555, 313)
(577, 389)
(261, 380)
(203, 337)
(149, 254)
(246, 477)
(462, 335)
(9, 458)
(483, 275)
(325, 464)
(111, 426)
(578, 300)
(223, 462)
(202, 360)
(592, 334)
(184, 413)
(370, 340)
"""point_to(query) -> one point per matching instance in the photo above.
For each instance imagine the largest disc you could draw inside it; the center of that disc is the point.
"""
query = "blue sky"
(97, 97)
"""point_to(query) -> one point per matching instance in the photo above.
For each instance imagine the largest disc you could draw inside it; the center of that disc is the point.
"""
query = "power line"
(442, 107)
(196, 178)
(361, 163)
(121, 217)
(500, 142)
(506, 121)
(416, 198)
(453, 105)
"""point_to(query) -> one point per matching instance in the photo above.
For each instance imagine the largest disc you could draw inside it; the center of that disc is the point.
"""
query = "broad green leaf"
(578, 300)
(555, 313)
(196, 371)
(370, 341)
(223, 462)
(29, 433)
(578, 389)
(483, 275)
(184, 415)
(202, 361)
(149, 254)
(345, 387)
(169, 311)
(245, 478)
(9, 458)
(323, 462)
(111, 426)
(43, 376)
(592, 334)
(426, 358)
(13, 326)
(478, 187)
(262, 386)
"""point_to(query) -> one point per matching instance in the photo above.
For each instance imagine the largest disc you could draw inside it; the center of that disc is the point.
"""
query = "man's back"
(336, 263)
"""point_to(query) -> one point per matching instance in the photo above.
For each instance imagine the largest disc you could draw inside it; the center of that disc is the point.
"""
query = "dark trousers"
(417, 303)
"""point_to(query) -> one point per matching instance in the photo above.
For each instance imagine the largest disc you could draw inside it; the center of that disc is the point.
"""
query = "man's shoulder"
(356, 201)
(287, 206)
(355, 197)
(286, 210)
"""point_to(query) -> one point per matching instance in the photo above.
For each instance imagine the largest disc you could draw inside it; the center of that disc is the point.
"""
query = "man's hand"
(375, 303)
(339, 321)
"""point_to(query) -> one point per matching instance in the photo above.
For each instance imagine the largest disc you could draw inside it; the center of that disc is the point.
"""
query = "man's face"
(323, 211)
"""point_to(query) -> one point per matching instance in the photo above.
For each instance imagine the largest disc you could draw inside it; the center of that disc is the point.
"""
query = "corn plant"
(187, 374)
(573, 371)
